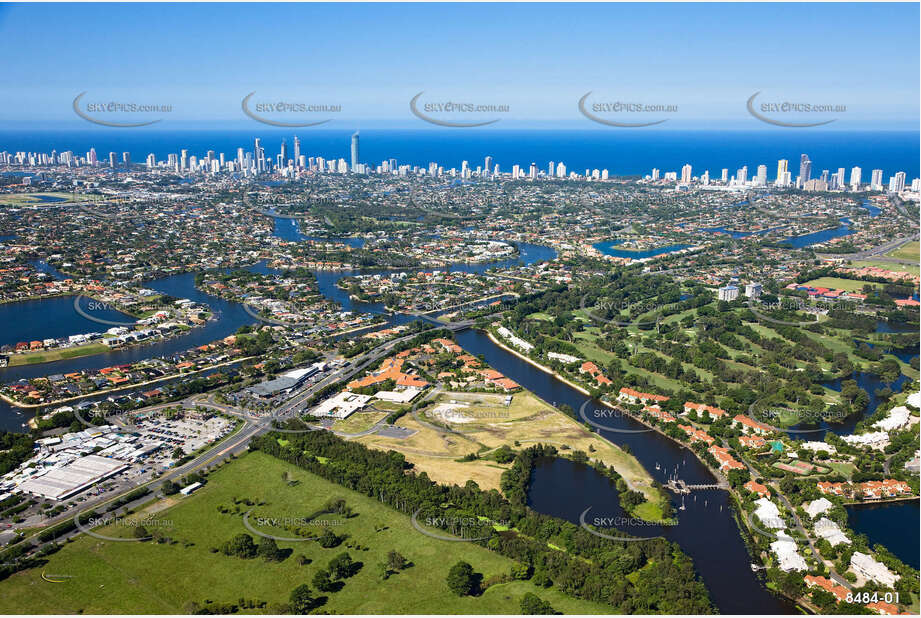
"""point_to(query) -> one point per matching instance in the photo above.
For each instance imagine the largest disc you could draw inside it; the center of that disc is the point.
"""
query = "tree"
(461, 580)
(169, 488)
(302, 600)
(241, 546)
(395, 561)
(531, 604)
(342, 567)
(541, 578)
(141, 533)
(329, 539)
(322, 582)
(268, 550)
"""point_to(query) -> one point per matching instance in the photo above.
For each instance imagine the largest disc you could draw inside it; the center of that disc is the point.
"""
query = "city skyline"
(256, 162)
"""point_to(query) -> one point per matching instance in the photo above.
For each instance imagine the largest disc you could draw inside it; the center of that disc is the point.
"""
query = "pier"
(678, 486)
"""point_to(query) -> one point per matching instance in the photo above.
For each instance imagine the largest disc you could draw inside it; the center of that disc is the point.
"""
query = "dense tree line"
(591, 568)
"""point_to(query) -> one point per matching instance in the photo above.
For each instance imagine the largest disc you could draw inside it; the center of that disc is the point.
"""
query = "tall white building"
(855, 178)
(762, 175)
(753, 290)
(729, 293)
(686, 174)
(897, 183)
(876, 180)
(742, 175)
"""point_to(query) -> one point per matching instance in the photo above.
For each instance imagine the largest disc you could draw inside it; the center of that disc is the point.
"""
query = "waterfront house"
(837, 590)
(697, 435)
(631, 396)
(714, 412)
(749, 425)
(726, 461)
(834, 489)
(865, 566)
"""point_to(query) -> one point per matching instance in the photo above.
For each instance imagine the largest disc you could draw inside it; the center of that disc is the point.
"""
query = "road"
(875, 251)
(234, 444)
(796, 521)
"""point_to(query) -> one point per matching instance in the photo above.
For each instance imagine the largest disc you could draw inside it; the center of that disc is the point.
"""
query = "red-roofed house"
(757, 488)
(714, 412)
(839, 591)
(749, 424)
(697, 435)
(726, 461)
(835, 489)
(628, 394)
(752, 441)
(884, 609)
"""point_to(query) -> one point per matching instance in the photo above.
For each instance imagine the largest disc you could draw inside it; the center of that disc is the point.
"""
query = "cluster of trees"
(533, 605)
(243, 546)
(15, 448)
(591, 567)
(462, 580)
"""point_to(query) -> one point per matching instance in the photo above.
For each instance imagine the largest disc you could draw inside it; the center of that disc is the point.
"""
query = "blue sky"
(538, 59)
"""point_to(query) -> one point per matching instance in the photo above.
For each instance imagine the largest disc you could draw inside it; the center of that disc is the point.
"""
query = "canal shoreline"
(735, 499)
(647, 477)
(17, 404)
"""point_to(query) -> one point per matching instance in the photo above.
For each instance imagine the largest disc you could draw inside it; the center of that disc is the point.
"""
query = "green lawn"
(25, 199)
(133, 577)
(844, 469)
(912, 269)
(34, 358)
(837, 283)
(358, 422)
(908, 251)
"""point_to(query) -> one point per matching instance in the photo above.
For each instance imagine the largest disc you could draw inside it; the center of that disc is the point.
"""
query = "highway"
(875, 251)
(234, 444)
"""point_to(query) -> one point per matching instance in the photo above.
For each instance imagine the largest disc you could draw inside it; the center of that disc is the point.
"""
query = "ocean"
(623, 152)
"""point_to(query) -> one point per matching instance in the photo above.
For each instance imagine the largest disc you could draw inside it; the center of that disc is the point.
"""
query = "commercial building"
(341, 406)
(62, 482)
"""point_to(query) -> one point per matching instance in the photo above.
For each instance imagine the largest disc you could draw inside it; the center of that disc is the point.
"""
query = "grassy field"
(358, 422)
(836, 283)
(844, 469)
(26, 199)
(34, 358)
(912, 269)
(489, 425)
(908, 251)
(146, 578)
